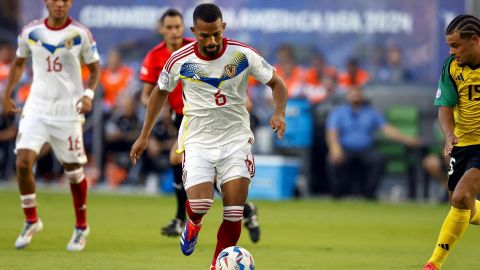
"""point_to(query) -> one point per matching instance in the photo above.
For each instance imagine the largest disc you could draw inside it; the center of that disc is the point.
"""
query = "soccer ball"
(234, 258)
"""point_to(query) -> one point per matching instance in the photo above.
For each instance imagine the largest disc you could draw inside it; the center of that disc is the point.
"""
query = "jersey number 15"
(473, 89)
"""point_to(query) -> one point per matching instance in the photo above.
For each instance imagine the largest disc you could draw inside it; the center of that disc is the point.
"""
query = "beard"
(211, 53)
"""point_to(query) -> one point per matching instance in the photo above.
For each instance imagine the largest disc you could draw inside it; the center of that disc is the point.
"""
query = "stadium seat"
(400, 161)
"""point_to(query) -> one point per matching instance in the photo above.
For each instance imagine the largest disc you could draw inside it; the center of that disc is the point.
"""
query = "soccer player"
(171, 27)
(457, 97)
(215, 138)
(53, 112)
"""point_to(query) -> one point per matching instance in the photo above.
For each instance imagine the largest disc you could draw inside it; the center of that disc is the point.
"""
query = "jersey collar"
(197, 52)
(67, 22)
(473, 67)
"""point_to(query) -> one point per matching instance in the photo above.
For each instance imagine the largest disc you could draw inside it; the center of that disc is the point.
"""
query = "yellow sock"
(453, 227)
(475, 220)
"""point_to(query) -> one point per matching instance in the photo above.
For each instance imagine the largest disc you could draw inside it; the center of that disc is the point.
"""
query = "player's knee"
(200, 206)
(233, 213)
(75, 176)
(24, 166)
(462, 200)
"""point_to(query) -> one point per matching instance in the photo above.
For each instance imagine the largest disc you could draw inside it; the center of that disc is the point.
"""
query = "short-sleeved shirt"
(355, 128)
(152, 66)
(214, 92)
(56, 57)
(459, 87)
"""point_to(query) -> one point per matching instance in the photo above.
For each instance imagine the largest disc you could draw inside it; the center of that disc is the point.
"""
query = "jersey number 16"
(54, 65)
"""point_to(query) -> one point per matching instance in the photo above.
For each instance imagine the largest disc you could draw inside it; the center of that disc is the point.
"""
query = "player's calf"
(78, 188)
(197, 208)
(229, 232)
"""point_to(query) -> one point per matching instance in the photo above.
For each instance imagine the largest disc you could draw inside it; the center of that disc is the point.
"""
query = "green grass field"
(306, 234)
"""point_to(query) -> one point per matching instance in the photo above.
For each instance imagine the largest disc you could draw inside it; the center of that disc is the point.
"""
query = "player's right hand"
(138, 148)
(450, 142)
(277, 123)
(9, 106)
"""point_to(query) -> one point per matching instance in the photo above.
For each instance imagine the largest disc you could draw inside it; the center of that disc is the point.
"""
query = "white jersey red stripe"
(173, 59)
(238, 43)
(178, 57)
(214, 92)
(177, 53)
(89, 34)
(57, 54)
(31, 24)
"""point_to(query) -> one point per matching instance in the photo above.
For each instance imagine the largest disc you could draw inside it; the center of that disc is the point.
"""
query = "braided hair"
(466, 25)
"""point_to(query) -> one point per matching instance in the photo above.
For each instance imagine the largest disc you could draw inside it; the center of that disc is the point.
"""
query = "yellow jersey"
(459, 87)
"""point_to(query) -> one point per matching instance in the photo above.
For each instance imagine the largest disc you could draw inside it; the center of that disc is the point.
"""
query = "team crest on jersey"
(230, 70)
(69, 43)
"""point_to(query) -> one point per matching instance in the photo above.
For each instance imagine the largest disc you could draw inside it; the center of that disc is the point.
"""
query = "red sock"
(196, 209)
(79, 194)
(227, 236)
(29, 206)
(31, 214)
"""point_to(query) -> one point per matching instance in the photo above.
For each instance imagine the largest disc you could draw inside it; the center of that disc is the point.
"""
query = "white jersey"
(214, 92)
(56, 55)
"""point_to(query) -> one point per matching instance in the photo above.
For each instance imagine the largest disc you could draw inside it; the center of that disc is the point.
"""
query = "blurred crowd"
(324, 87)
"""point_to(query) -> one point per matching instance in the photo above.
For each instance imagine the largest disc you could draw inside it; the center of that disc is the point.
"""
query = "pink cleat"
(430, 266)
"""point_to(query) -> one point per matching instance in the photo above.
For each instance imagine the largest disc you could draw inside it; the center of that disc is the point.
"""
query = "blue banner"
(339, 29)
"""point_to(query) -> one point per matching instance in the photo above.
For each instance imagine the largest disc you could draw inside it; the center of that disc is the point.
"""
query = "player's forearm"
(147, 90)
(446, 120)
(14, 76)
(94, 78)
(155, 104)
(279, 92)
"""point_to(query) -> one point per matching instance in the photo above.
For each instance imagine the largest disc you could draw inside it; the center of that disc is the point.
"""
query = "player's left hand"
(138, 148)
(277, 122)
(84, 105)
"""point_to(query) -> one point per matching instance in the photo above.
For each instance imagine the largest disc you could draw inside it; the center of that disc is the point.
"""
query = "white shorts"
(228, 162)
(65, 138)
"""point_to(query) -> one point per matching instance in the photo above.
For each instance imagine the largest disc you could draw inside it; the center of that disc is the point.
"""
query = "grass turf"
(304, 234)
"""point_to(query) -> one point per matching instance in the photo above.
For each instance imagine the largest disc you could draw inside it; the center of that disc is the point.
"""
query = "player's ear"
(192, 28)
(224, 25)
(475, 38)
